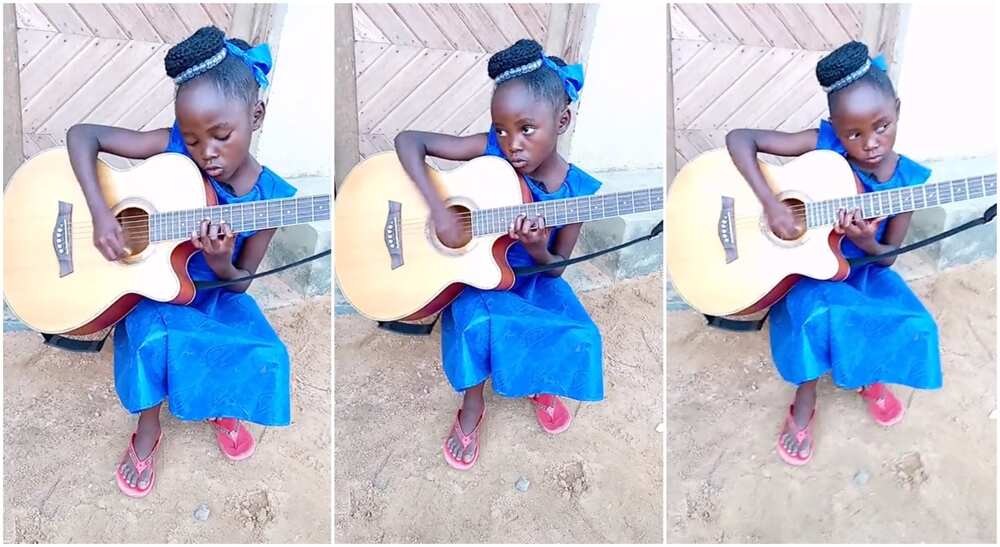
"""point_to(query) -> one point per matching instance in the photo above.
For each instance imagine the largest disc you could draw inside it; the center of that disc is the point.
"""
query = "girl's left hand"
(853, 225)
(532, 233)
(216, 242)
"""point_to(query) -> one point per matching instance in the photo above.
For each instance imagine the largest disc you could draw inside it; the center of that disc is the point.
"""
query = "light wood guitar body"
(390, 264)
(723, 258)
(55, 279)
(46, 217)
(429, 275)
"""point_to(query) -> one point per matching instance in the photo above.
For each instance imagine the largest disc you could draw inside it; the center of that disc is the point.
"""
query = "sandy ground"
(600, 481)
(64, 432)
(929, 479)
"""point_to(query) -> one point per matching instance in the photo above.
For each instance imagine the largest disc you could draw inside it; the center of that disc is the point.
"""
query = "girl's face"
(216, 129)
(865, 121)
(527, 128)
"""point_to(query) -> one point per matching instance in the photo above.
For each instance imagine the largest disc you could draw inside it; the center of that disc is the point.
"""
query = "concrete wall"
(297, 139)
(947, 121)
(947, 82)
(620, 134)
(622, 110)
(297, 143)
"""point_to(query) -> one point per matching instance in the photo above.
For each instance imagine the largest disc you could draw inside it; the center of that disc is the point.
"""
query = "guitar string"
(231, 207)
(465, 221)
(795, 208)
(466, 216)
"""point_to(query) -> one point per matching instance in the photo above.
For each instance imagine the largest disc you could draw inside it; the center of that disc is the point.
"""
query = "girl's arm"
(218, 253)
(562, 247)
(863, 234)
(412, 149)
(250, 258)
(536, 242)
(743, 146)
(83, 142)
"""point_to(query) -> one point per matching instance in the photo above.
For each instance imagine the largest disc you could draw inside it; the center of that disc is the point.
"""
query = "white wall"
(622, 114)
(297, 138)
(946, 82)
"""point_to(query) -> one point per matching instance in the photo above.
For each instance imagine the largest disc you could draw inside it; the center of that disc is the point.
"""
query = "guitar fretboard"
(901, 200)
(559, 212)
(241, 217)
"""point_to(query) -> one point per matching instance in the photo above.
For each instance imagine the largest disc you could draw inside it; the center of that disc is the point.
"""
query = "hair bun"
(203, 44)
(841, 62)
(521, 53)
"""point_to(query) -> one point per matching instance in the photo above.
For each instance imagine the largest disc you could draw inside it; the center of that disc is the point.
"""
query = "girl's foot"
(795, 442)
(882, 404)
(461, 448)
(235, 441)
(552, 414)
(135, 472)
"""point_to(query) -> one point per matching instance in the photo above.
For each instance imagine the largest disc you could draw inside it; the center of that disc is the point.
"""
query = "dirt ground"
(601, 481)
(929, 479)
(64, 432)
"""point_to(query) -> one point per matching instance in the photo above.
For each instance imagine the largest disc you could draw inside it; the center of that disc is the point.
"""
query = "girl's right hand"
(781, 220)
(448, 227)
(109, 238)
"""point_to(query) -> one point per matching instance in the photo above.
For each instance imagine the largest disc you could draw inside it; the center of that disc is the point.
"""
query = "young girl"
(217, 359)
(870, 329)
(535, 340)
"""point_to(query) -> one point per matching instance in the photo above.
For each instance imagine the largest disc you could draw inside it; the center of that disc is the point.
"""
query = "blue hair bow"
(571, 76)
(258, 58)
(880, 63)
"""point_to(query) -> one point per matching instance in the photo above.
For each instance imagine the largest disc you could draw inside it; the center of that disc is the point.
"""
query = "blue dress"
(868, 328)
(534, 338)
(218, 356)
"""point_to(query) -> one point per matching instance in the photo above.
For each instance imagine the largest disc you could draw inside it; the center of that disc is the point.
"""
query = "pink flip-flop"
(235, 441)
(882, 404)
(552, 414)
(140, 466)
(805, 433)
(465, 441)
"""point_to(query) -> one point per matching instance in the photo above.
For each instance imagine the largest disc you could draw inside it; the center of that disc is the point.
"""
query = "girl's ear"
(897, 106)
(564, 119)
(257, 115)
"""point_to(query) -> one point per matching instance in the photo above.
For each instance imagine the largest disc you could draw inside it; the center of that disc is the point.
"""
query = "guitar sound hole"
(135, 224)
(798, 209)
(464, 219)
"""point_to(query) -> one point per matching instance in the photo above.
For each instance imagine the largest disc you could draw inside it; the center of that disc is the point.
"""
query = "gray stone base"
(973, 245)
(639, 259)
(294, 243)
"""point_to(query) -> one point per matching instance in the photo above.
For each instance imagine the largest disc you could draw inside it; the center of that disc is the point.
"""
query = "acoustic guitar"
(723, 258)
(55, 279)
(390, 264)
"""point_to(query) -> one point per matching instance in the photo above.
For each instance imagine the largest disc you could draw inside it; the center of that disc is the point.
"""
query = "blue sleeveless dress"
(218, 356)
(534, 338)
(868, 328)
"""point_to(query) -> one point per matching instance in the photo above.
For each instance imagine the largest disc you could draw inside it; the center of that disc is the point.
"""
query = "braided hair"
(844, 68)
(198, 57)
(523, 62)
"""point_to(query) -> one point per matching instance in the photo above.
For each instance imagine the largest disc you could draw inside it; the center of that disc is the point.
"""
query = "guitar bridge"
(62, 238)
(727, 229)
(392, 235)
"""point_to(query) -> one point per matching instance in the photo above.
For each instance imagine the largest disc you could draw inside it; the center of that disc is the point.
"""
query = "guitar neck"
(559, 212)
(241, 217)
(902, 200)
